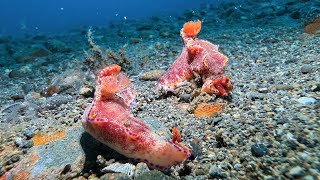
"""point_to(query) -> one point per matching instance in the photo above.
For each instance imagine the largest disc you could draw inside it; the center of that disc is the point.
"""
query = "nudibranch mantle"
(108, 120)
(197, 57)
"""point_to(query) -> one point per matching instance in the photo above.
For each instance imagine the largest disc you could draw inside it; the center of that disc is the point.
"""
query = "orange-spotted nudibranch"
(108, 120)
(197, 57)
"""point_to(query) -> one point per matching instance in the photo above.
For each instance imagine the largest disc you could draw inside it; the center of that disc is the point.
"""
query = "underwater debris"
(197, 57)
(108, 120)
(49, 90)
(96, 59)
(122, 60)
(313, 27)
(207, 110)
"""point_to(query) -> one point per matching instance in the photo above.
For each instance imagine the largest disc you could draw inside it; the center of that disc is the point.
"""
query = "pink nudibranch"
(108, 120)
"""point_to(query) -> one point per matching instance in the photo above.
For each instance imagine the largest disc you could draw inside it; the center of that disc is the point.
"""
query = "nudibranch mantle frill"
(108, 120)
(197, 57)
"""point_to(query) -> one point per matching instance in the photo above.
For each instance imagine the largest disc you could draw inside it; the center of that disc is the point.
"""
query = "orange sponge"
(192, 28)
(207, 110)
(41, 139)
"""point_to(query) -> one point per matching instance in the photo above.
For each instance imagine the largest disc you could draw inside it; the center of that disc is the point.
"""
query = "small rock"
(27, 87)
(21, 143)
(86, 92)
(307, 68)
(66, 169)
(315, 88)
(27, 144)
(215, 172)
(101, 161)
(185, 97)
(8, 167)
(263, 90)
(15, 158)
(127, 168)
(18, 141)
(155, 175)
(237, 167)
(153, 75)
(296, 172)
(118, 176)
(29, 132)
(283, 87)
(199, 171)
(308, 177)
(196, 147)
(140, 169)
(306, 100)
(259, 150)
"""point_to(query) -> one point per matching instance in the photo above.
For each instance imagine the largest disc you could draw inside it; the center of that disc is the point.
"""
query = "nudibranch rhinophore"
(108, 120)
(197, 57)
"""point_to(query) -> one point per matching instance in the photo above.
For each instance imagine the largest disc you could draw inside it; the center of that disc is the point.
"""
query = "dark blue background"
(34, 16)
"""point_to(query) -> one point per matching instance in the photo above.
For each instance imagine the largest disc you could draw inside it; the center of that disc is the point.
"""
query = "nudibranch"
(108, 120)
(197, 57)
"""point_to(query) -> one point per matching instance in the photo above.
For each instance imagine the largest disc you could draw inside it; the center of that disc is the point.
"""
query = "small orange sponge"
(40, 139)
(192, 28)
(207, 110)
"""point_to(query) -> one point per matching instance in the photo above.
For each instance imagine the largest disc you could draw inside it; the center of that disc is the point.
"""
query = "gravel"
(268, 129)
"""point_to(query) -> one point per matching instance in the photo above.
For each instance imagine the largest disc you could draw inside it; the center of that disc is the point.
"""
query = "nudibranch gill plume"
(108, 120)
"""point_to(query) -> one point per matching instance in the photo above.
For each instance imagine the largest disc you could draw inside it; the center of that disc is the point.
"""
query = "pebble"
(307, 68)
(15, 158)
(18, 141)
(306, 100)
(116, 167)
(21, 143)
(119, 176)
(101, 161)
(259, 150)
(86, 92)
(154, 174)
(199, 172)
(29, 132)
(185, 97)
(308, 177)
(296, 172)
(196, 147)
(215, 172)
(237, 166)
(152, 75)
(255, 96)
(263, 90)
(140, 169)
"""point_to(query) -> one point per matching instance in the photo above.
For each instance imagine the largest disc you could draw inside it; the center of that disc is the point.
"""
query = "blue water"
(41, 16)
